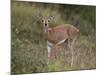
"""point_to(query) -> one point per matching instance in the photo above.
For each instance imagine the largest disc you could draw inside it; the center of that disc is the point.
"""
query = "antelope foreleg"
(72, 54)
(49, 53)
(72, 58)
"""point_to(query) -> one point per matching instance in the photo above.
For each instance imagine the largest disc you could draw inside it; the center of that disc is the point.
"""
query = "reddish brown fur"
(56, 34)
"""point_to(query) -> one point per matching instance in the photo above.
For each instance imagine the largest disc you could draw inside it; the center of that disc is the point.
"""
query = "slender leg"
(72, 53)
(56, 52)
(72, 59)
(49, 53)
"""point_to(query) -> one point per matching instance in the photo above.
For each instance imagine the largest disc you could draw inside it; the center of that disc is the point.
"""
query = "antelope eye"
(42, 20)
(48, 20)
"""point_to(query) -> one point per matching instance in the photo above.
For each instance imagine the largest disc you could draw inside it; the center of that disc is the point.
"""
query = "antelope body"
(56, 36)
(63, 32)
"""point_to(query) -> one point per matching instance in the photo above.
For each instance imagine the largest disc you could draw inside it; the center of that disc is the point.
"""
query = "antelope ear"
(39, 16)
(50, 18)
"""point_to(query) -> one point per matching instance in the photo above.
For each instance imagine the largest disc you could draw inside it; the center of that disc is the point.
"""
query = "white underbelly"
(58, 43)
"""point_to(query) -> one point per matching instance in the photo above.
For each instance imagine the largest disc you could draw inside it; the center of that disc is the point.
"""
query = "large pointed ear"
(39, 16)
(50, 18)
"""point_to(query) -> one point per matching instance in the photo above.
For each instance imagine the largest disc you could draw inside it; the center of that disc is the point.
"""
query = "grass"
(30, 58)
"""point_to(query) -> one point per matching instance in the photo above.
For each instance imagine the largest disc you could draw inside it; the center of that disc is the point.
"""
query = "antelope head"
(45, 22)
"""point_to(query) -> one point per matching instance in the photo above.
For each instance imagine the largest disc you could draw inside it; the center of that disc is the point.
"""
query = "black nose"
(45, 24)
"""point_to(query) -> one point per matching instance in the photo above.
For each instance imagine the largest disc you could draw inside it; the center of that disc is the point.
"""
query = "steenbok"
(56, 36)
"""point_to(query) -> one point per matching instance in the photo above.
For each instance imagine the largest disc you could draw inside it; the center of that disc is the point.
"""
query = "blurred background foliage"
(29, 47)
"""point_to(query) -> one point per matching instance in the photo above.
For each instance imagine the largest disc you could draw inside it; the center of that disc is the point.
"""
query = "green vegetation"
(29, 53)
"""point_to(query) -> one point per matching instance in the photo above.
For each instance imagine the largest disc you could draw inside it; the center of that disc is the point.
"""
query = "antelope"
(56, 36)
